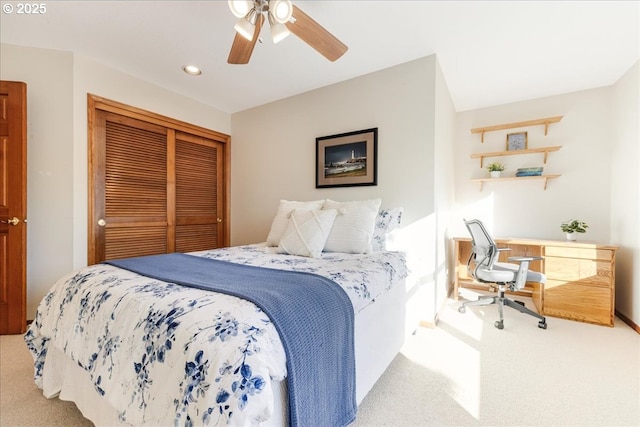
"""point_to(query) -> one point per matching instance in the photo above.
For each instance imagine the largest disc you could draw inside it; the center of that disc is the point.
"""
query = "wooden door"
(155, 185)
(130, 206)
(13, 207)
(199, 172)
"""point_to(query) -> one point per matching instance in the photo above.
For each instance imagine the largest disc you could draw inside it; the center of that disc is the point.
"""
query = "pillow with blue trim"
(386, 221)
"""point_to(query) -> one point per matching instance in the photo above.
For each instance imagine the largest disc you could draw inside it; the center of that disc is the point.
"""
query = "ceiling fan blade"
(315, 35)
(241, 49)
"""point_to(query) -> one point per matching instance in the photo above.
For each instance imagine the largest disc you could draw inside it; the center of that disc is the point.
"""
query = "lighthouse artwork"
(346, 159)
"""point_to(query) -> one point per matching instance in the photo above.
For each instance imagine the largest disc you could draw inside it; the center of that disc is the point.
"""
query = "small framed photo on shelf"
(517, 141)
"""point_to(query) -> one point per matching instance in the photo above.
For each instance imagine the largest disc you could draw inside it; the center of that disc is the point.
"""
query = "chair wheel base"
(542, 324)
(499, 324)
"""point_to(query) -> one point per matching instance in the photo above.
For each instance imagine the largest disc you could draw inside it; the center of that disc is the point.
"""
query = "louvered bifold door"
(131, 216)
(198, 201)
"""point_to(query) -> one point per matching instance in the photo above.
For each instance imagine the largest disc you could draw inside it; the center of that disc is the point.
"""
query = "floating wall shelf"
(516, 178)
(545, 150)
(546, 122)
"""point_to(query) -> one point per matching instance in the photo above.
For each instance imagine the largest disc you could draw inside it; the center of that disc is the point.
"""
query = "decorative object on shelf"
(573, 226)
(495, 169)
(529, 171)
(517, 141)
(347, 159)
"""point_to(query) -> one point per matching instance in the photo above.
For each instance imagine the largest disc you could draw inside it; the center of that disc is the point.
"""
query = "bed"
(132, 349)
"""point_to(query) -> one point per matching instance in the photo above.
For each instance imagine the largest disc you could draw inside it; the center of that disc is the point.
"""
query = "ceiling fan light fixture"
(279, 32)
(280, 14)
(282, 10)
(240, 8)
(246, 26)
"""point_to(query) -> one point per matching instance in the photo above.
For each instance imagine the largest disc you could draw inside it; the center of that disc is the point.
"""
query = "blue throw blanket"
(312, 314)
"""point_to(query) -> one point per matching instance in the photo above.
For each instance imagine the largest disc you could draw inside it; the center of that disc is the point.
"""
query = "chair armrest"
(523, 270)
(524, 258)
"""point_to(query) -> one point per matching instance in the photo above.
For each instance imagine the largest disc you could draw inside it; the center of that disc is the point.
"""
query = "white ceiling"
(491, 52)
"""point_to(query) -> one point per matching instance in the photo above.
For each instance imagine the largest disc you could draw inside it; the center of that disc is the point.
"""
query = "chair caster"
(542, 324)
(499, 324)
(462, 309)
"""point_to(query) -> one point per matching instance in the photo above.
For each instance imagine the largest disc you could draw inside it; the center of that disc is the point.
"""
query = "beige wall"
(274, 155)
(273, 148)
(525, 209)
(625, 191)
(49, 78)
(444, 190)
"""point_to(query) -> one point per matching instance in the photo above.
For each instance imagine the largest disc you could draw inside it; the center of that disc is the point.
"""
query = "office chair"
(486, 269)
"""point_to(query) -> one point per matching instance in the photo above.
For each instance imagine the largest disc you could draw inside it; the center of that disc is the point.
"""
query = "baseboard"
(433, 324)
(628, 321)
(427, 324)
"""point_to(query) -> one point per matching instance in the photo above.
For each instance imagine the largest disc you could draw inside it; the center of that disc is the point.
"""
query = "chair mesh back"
(485, 250)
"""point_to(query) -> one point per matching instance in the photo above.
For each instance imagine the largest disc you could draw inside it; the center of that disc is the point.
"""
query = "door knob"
(12, 221)
(102, 222)
(219, 219)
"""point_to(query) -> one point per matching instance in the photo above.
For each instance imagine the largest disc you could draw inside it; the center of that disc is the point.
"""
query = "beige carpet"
(465, 372)
(21, 402)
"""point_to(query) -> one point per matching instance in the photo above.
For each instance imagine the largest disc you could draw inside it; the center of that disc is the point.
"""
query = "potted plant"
(495, 169)
(573, 226)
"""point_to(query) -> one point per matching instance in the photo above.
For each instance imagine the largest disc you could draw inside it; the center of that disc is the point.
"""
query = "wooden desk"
(580, 276)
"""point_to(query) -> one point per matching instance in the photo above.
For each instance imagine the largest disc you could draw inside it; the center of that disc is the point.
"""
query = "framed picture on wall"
(517, 141)
(347, 159)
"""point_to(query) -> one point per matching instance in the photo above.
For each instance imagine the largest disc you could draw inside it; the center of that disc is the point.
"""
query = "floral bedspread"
(163, 353)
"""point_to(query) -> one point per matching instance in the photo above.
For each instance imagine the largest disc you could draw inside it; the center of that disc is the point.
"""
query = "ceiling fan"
(284, 18)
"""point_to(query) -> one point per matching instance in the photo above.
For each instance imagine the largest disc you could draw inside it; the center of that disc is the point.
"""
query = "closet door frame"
(96, 194)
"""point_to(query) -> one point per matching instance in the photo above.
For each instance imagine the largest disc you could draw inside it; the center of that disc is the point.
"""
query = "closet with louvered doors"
(157, 185)
(197, 172)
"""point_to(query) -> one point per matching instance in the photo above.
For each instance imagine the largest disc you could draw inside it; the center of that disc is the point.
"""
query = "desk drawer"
(581, 253)
(585, 271)
(577, 302)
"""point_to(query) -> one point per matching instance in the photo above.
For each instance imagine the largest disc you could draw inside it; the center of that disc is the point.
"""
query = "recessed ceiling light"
(191, 70)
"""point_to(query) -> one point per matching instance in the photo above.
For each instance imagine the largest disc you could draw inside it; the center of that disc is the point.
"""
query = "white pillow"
(353, 228)
(386, 221)
(281, 219)
(307, 232)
